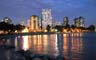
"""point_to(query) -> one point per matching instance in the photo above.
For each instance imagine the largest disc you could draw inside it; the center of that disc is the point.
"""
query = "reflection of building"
(34, 23)
(65, 21)
(46, 18)
(79, 22)
(7, 20)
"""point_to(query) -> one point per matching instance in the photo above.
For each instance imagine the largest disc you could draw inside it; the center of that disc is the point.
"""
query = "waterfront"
(73, 46)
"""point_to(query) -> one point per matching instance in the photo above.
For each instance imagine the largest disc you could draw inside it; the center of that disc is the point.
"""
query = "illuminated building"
(76, 22)
(7, 20)
(81, 19)
(28, 23)
(79, 22)
(46, 18)
(65, 21)
(22, 22)
(40, 23)
(34, 23)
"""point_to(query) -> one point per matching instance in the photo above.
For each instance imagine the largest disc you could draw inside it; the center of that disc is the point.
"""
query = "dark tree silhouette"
(48, 28)
(91, 28)
(10, 28)
(73, 27)
(19, 27)
(6, 27)
(68, 27)
(59, 28)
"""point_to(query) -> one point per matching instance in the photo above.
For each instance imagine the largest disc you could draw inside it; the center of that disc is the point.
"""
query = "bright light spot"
(45, 30)
(15, 31)
(64, 30)
(25, 40)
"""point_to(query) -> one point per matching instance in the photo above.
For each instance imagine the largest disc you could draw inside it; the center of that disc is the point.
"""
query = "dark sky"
(22, 9)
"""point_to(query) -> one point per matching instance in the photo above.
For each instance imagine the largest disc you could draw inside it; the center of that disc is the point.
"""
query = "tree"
(59, 28)
(91, 28)
(19, 27)
(73, 27)
(6, 27)
(10, 28)
(68, 27)
(48, 28)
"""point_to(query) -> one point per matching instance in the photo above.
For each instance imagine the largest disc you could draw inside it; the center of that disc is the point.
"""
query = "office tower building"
(40, 23)
(28, 23)
(46, 18)
(76, 22)
(34, 23)
(79, 22)
(66, 21)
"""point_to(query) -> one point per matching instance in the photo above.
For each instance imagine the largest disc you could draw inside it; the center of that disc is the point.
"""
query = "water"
(73, 46)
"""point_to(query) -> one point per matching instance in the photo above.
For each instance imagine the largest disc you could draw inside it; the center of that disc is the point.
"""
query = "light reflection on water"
(76, 46)
(47, 44)
(73, 46)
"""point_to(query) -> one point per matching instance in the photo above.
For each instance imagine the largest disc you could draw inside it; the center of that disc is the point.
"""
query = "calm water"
(73, 46)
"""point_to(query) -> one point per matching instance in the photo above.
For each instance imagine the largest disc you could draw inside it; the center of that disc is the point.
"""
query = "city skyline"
(22, 10)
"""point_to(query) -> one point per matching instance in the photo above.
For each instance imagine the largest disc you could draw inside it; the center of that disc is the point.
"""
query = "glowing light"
(53, 30)
(15, 31)
(45, 30)
(25, 40)
(64, 30)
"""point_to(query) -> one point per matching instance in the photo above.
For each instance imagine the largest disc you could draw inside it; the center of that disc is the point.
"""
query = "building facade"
(46, 18)
(79, 22)
(34, 23)
(65, 21)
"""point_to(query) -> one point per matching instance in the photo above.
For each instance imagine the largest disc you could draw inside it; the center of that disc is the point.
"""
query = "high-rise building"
(76, 22)
(34, 23)
(81, 19)
(46, 18)
(79, 22)
(66, 21)
(40, 23)
(28, 23)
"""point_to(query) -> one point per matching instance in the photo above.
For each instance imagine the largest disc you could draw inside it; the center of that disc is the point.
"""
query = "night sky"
(22, 9)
